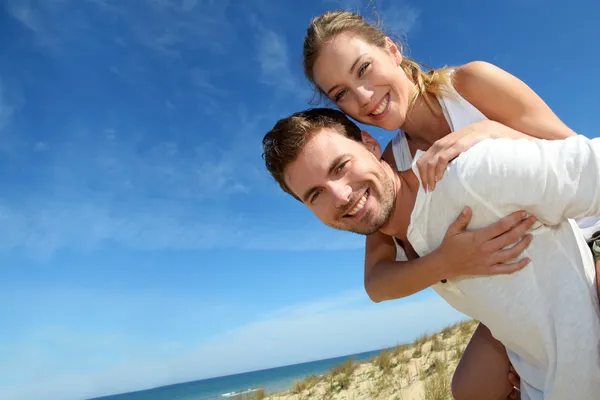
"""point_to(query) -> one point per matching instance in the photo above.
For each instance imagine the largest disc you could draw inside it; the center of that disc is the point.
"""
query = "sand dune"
(420, 371)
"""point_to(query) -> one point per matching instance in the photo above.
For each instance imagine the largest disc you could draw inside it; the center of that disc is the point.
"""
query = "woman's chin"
(389, 124)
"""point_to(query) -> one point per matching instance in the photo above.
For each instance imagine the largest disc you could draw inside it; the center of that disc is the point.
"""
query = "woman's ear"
(393, 49)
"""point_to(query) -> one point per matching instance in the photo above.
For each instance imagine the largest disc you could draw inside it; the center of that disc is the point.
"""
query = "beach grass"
(259, 394)
(421, 370)
(305, 385)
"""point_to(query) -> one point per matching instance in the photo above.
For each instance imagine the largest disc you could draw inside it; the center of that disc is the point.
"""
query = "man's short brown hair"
(283, 143)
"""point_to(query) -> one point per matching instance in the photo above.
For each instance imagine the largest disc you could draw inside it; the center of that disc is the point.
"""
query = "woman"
(443, 112)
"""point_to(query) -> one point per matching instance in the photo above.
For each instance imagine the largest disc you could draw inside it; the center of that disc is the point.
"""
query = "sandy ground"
(421, 371)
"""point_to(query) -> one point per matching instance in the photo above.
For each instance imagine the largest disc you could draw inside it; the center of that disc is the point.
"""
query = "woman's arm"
(504, 98)
(513, 108)
(387, 279)
(462, 252)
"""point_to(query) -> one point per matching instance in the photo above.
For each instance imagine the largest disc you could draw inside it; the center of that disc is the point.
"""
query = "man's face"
(343, 182)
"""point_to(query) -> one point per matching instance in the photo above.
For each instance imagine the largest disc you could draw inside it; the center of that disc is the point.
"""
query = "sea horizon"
(272, 380)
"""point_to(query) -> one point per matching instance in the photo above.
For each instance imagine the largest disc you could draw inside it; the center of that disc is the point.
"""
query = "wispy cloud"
(350, 5)
(40, 227)
(11, 102)
(164, 26)
(8, 107)
(275, 64)
(106, 186)
(32, 17)
(396, 17)
(167, 24)
(298, 333)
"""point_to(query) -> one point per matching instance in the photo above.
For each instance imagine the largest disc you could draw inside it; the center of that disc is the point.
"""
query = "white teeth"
(360, 204)
(381, 108)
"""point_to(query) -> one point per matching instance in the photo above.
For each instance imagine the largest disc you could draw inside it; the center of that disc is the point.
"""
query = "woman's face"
(365, 81)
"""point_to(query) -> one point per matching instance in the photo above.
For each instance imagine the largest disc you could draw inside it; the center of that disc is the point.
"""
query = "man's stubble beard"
(387, 204)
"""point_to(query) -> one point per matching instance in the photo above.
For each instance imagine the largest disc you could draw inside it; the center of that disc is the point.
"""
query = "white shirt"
(546, 314)
(459, 113)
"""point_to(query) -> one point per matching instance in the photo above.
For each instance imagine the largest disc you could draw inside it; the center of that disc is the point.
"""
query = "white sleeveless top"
(459, 113)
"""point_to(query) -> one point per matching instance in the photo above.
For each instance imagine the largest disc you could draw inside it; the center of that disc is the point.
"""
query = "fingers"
(509, 254)
(515, 381)
(503, 225)
(514, 378)
(514, 234)
(432, 167)
(461, 222)
(442, 164)
(422, 165)
(508, 268)
(443, 158)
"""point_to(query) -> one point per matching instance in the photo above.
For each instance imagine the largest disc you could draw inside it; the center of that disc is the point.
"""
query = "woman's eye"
(340, 94)
(363, 68)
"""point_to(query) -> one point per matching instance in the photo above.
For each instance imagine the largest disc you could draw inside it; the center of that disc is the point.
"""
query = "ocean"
(222, 388)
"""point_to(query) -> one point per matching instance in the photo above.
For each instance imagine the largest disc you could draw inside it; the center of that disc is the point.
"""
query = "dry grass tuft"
(428, 363)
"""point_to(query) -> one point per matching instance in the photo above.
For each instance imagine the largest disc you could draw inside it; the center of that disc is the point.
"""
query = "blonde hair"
(325, 27)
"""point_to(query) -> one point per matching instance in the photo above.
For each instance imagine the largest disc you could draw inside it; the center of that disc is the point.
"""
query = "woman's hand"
(482, 251)
(434, 161)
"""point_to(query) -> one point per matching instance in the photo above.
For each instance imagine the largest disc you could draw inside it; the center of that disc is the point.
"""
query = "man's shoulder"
(493, 166)
(493, 154)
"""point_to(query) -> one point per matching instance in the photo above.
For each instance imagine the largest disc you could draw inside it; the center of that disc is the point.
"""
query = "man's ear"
(394, 51)
(371, 144)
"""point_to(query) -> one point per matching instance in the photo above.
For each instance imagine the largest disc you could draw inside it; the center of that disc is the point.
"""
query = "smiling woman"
(337, 40)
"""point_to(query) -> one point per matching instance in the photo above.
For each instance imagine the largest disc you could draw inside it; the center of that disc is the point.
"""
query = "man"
(546, 315)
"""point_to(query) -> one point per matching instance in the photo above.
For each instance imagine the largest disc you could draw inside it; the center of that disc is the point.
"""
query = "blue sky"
(142, 242)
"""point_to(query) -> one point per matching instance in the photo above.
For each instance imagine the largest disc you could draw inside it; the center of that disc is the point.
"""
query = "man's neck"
(406, 185)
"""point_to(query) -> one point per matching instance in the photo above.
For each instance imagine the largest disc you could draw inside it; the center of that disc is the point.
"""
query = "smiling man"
(546, 315)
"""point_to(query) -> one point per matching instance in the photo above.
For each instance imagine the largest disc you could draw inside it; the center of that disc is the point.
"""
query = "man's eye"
(314, 196)
(342, 166)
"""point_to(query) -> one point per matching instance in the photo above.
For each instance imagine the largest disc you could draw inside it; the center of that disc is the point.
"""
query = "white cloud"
(398, 17)
(28, 15)
(275, 65)
(165, 25)
(40, 227)
(350, 5)
(100, 189)
(274, 61)
(202, 79)
(160, 25)
(10, 103)
(329, 327)
(337, 327)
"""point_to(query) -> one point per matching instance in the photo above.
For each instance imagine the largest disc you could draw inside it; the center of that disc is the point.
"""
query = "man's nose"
(341, 193)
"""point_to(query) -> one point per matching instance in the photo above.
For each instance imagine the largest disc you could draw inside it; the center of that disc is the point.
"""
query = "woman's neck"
(424, 124)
